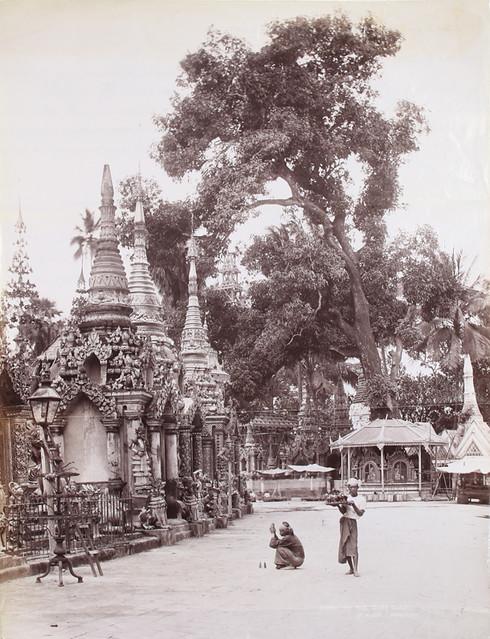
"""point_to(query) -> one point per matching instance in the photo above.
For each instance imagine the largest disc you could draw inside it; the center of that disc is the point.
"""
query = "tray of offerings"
(335, 499)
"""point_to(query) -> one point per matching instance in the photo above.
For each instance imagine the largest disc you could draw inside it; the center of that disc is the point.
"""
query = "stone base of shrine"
(222, 521)
(12, 567)
(180, 529)
(164, 535)
(198, 528)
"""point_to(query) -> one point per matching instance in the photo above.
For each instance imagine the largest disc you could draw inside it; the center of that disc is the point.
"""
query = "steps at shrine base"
(408, 491)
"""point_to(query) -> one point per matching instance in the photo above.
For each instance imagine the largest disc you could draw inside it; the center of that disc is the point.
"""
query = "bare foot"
(349, 572)
(356, 574)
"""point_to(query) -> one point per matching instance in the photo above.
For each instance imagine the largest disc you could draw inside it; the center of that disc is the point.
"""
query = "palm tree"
(458, 330)
(40, 324)
(86, 237)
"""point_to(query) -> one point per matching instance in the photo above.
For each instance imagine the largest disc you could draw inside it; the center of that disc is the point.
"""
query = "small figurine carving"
(190, 500)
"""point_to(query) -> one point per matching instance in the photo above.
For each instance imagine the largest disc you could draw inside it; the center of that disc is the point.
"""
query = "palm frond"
(475, 343)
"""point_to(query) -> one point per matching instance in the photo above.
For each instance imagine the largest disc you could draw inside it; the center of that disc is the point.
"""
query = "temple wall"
(85, 443)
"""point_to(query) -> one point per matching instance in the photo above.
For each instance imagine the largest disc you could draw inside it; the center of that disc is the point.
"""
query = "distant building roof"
(273, 422)
(391, 432)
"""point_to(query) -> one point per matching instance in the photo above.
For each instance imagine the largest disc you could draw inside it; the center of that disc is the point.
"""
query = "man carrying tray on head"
(352, 509)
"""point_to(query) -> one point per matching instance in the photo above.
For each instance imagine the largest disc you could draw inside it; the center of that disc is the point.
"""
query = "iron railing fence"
(96, 521)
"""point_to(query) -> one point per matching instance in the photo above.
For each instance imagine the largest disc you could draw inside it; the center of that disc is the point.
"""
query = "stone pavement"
(424, 574)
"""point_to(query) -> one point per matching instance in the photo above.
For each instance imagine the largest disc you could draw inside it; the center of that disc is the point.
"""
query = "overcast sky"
(81, 80)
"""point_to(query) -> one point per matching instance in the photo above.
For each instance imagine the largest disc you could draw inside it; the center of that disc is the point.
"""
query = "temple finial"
(139, 214)
(19, 225)
(81, 286)
(107, 190)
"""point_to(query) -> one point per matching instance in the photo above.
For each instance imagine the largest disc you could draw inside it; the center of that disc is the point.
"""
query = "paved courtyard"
(424, 574)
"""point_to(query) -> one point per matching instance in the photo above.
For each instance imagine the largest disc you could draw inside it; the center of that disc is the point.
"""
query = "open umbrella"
(469, 464)
(273, 471)
(312, 468)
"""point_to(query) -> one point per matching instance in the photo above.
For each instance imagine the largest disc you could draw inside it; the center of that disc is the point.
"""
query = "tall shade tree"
(298, 112)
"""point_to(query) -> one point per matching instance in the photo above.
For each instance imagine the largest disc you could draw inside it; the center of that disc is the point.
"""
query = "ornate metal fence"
(94, 521)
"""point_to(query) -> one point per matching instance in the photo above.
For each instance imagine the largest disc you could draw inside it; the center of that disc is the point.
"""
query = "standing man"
(289, 549)
(352, 509)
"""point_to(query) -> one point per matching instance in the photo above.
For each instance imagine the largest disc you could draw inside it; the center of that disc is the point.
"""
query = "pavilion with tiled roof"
(382, 455)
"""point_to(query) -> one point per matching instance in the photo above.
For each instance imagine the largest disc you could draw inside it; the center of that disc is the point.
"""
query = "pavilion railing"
(95, 521)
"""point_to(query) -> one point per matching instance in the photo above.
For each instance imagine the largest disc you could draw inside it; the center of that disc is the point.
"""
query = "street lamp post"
(44, 403)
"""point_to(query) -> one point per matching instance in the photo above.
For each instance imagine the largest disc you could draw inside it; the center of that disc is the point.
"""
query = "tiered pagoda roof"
(108, 294)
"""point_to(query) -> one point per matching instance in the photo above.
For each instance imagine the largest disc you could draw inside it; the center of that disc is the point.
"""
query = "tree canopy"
(297, 112)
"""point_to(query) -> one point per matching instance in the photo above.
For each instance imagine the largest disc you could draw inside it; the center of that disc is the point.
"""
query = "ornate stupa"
(473, 434)
(108, 302)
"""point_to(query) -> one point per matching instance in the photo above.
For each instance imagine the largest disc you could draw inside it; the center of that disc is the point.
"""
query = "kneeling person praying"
(289, 549)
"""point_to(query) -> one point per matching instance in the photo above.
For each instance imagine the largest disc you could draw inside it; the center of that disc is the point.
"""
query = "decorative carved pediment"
(166, 394)
(69, 392)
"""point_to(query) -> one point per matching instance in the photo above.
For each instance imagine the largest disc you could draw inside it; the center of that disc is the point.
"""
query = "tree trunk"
(397, 358)
(363, 332)
(368, 351)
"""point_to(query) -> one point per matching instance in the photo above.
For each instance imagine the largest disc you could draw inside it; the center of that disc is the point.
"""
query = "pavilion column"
(156, 444)
(342, 469)
(216, 424)
(382, 455)
(251, 460)
(420, 471)
(57, 431)
(185, 450)
(197, 451)
(348, 463)
(171, 455)
(112, 428)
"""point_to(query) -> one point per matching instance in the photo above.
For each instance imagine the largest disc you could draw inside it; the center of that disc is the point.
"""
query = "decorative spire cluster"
(108, 294)
(147, 313)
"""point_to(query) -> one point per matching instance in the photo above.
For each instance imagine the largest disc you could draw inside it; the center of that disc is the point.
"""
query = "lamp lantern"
(44, 403)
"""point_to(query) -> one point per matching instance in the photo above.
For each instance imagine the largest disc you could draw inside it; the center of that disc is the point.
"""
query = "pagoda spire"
(20, 289)
(470, 404)
(230, 275)
(194, 342)
(81, 285)
(147, 312)
(108, 295)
